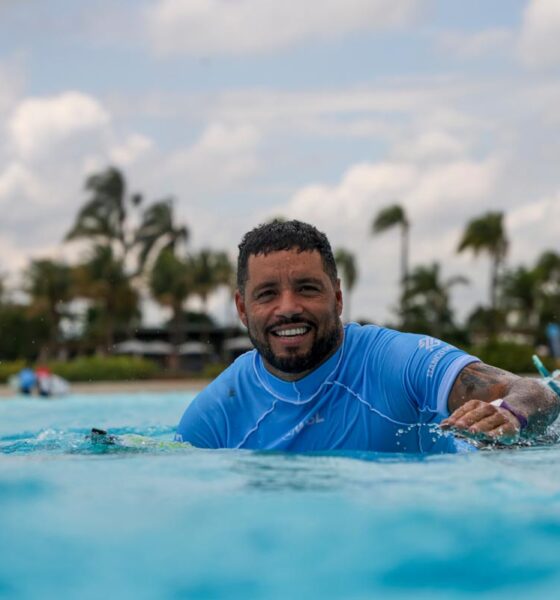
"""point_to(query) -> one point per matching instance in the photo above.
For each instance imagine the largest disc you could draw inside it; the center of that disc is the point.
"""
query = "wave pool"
(83, 520)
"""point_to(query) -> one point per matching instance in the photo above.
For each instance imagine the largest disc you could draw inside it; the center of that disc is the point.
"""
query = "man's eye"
(264, 294)
(309, 289)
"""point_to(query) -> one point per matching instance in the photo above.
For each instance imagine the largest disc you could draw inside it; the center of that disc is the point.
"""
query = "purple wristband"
(519, 416)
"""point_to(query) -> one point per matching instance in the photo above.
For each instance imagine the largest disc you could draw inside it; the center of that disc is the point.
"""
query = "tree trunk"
(404, 272)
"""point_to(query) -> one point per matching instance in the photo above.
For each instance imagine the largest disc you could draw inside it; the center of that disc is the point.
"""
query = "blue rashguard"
(382, 391)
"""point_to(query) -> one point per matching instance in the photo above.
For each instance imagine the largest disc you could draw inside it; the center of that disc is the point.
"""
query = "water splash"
(81, 441)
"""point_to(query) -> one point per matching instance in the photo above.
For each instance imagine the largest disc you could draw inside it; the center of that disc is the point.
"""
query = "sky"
(320, 110)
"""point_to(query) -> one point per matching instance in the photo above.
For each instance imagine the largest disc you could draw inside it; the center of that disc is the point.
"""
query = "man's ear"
(240, 305)
(338, 296)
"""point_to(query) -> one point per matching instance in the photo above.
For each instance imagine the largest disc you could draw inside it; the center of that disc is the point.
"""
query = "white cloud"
(431, 145)
(539, 44)
(365, 188)
(38, 124)
(477, 45)
(533, 228)
(11, 83)
(16, 182)
(134, 147)
(221, 156)
(213, 27)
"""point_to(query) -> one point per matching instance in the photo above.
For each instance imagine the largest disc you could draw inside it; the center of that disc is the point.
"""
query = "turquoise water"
(84, 521)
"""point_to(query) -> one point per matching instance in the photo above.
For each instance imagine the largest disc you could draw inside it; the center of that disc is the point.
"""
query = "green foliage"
(487, 234)
(115, 303)
(509, 356)
(426, 307)
(346, 262)
(105, 368)
(212, 370)
(389, 217)
(22, 335)
(103, 215)
(209, 270)
(158, 231)
(9, 368)
(346, 265)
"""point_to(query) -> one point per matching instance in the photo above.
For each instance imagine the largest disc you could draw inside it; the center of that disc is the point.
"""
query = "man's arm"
(478, 385)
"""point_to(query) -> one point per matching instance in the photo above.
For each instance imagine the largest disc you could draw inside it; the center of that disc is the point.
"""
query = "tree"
(547, 271)
(103, 280)
(158, 232)
(121, 252)
(171, 284)
(49, 285)
(103, 218)
(520, 295)
(23, 334)
(208, 271)
(106, 220)
(346, 263)
(428, 301)
(487, 234)
(387, 218)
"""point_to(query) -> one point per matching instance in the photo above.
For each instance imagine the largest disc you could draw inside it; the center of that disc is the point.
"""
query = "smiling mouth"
(292, 331)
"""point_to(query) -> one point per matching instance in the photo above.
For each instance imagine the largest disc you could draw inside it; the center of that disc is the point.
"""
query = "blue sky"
(321, 110)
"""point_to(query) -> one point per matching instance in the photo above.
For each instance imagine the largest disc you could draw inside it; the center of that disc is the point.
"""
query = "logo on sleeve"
(429, 343)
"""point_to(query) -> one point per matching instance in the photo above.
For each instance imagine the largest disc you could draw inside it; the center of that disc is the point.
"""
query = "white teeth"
(291, 332)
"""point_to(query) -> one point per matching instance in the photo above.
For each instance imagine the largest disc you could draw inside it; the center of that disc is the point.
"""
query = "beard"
(322, 348)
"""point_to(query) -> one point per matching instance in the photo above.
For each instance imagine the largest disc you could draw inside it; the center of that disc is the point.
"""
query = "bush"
(9, 368)
(104, 368)
(212, 370)
(509, 356)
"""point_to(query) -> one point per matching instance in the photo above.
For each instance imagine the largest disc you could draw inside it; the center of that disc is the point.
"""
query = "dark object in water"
(100, 436)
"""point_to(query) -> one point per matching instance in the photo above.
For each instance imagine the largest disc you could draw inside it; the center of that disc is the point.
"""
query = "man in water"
(311, 384)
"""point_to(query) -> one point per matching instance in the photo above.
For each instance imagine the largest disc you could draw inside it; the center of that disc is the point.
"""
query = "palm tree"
(103, 218)
(487, 234)
(171, 284)
(387, 218)
(520, 292)
(49, 285)
(428, 300)
(103, 280)
(547, 271)
(2, 288)
(158, 232)
(346, 262)
(209, 270)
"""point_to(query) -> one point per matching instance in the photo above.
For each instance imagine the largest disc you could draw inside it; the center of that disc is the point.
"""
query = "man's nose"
(289, 304)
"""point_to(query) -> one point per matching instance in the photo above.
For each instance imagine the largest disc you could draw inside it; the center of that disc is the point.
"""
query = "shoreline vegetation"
(90, 310)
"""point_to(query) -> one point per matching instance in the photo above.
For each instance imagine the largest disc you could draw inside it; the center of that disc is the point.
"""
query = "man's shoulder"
(359, 336)
(240, 371)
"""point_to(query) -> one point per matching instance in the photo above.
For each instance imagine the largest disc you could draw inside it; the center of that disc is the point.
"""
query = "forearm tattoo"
(481, 382)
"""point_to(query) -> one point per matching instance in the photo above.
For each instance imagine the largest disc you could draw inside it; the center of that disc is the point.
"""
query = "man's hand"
(480, 419)
(473, 397)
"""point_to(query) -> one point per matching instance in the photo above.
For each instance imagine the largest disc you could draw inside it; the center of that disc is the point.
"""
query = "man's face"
(291, 309)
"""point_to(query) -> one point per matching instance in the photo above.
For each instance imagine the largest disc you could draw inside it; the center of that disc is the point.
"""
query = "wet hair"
(283, 235)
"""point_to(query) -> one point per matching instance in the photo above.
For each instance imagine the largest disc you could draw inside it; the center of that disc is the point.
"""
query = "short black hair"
(280, 235)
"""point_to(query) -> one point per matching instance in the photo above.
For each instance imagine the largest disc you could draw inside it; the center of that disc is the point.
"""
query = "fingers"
(468, 414)
(482, 419)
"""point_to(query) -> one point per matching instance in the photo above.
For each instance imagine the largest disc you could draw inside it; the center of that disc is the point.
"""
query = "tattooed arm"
(530, 405)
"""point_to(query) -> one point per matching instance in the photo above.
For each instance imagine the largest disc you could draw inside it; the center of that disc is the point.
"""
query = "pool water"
(79, 520)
